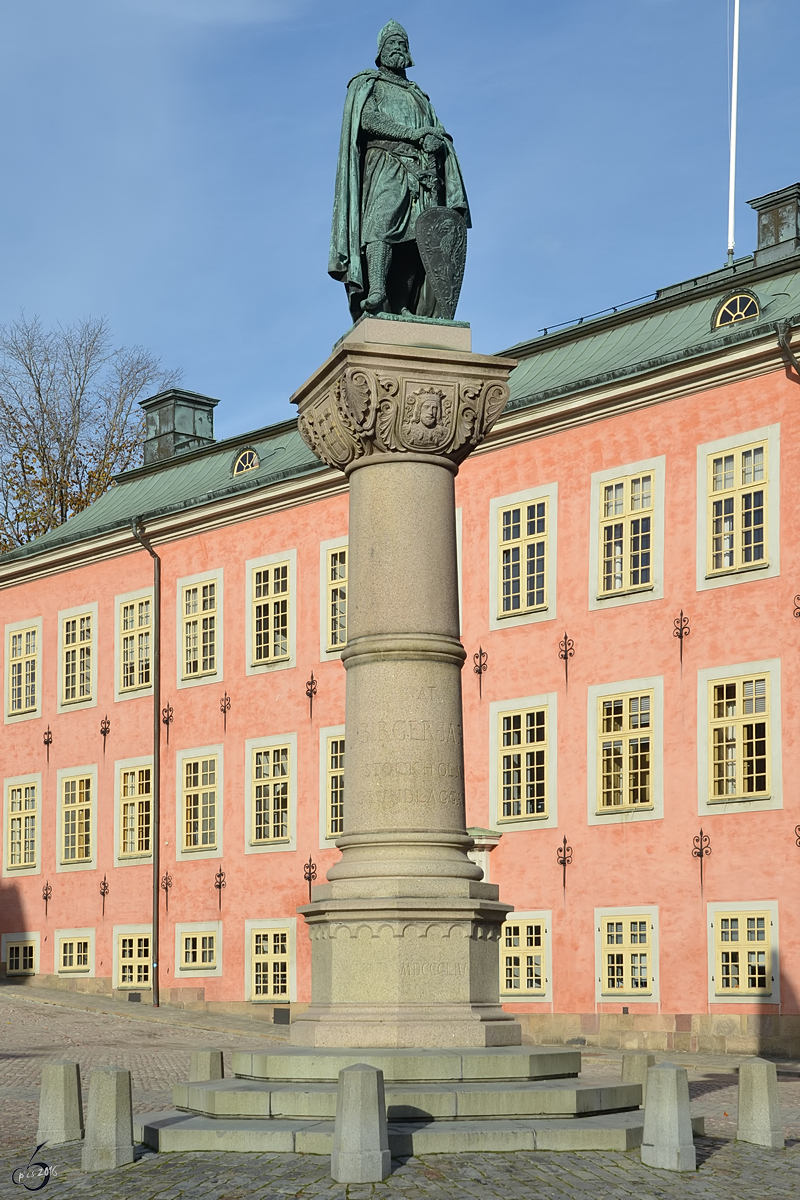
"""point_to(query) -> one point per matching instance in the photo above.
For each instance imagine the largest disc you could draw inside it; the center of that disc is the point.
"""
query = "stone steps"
(253, 1099)
(182, 1132)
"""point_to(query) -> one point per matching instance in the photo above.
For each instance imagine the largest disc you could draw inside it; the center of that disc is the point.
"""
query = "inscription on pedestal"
(428, 969)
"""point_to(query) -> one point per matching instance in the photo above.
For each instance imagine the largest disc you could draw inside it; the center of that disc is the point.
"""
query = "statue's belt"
(402, 151)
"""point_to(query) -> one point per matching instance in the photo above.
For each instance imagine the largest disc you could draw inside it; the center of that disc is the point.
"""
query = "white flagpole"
(734, 98)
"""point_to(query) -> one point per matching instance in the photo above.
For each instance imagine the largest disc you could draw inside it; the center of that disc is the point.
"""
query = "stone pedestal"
(405, 934)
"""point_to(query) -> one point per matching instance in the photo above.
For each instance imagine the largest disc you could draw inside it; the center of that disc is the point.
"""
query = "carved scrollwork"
(364, 412)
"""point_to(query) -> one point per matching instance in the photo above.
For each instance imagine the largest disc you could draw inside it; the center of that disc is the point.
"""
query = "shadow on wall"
(12, 920)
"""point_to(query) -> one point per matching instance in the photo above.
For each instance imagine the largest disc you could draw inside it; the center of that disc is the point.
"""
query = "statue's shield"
(441, 235)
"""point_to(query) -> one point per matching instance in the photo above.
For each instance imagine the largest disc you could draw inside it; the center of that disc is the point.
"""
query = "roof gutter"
(137, 529)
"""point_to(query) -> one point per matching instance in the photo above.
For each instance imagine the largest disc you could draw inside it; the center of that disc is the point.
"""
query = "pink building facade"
(630, 790)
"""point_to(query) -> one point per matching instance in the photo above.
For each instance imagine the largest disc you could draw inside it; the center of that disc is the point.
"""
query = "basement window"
(741, 306)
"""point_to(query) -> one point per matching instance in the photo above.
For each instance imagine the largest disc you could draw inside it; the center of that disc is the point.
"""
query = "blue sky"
(170, 163)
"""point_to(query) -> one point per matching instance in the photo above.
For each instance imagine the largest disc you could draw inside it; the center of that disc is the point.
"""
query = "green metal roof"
(675, 326)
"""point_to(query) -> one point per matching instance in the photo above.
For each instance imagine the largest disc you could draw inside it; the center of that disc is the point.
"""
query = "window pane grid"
(271, 613)
(742, 953)
(625, 949)
(626, 534)
(337, 598)
(134, 960)
(739, 734)
(199, 950)
(523, 772)
(522, 958)
(737, 509)
(523, 557)
(20, 958)
(199, 631)
(135, 786)
(335, 786)
(22, 671)
(271, 964)
(271, 779)
(625, 751)
(76, 639)
(77, 819)
(200, 804)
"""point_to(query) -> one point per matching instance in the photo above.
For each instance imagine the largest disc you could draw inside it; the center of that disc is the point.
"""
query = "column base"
(428, 1026)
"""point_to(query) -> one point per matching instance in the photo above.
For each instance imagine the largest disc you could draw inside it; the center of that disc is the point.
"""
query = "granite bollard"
(206, 1064)
(759, 1117)
(668, 1141)
(60, 1104)
(109, 1122)
(634, 1070)
(360, 1138)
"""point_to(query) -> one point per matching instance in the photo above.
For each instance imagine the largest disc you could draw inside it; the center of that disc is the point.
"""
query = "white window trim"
(218, 676)
(650, 912)
(550, 701)
(654, 683)
(129, 598)
(21, 781)
(771, 434)
(330, 731)
(181, 756)
(254, 926)
(252, 744)
(338, 543)
(76, 935)
(743, 906)
(12, 938)
(128, 931)
(14, 627)
(546, 995)
(86, 864)
(764, 666)
(657, 467)
(549, 492)
(129, 764)
(200, 972)
(255, 564)
(80, 611)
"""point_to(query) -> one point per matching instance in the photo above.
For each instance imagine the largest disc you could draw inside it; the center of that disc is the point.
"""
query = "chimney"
(177, 422)
(778, 224)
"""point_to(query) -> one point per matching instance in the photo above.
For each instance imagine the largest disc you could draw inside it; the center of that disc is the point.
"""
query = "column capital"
(373, 403)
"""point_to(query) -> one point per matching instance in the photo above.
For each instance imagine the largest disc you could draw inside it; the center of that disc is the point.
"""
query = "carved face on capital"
(430, 412)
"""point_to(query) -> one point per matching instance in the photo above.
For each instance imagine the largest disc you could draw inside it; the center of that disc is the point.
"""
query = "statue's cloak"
(345, 257)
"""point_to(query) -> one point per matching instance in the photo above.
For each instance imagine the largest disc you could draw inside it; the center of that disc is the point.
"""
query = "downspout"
(137, 529)
(784, 332)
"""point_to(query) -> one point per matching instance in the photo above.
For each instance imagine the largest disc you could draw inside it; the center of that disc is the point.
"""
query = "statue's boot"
(379, 256)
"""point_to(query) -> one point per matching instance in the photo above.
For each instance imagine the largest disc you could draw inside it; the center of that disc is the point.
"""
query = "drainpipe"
(137, 529)
(784, 332)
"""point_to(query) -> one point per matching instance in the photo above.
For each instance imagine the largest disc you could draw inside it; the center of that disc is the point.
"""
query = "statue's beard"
(396, 60)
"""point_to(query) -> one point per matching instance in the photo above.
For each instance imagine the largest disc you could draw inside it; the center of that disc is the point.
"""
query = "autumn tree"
(69, 420)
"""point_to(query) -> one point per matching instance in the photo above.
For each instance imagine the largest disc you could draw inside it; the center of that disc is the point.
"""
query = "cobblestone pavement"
(157, 1055)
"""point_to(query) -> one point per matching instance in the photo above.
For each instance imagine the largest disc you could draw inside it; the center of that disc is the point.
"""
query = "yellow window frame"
(738, 509)
(336, 563)
(742, 953)
(135, 620)
(73, 954)
(626, 534)
(271, 794)
(22, 818)
(199, 628)
(76, 819)
(77, 640)
(136, 811)
(272, 601)
(523, 541)
(624, 766)
(23, 653)
(523, 961)
(199, 802)
(522, 765)
(739, 744)
(270, 956)
(627, 960)
(199, 950)
(21, 958)
(334, 785)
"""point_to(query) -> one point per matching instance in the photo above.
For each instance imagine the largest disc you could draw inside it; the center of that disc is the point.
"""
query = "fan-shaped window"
(742, 306)
(246, 461)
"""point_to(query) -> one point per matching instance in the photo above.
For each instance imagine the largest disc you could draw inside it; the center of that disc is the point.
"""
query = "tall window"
(135, 784)
(22, 678)
(523, 764)
(77, 819)
(334, 788)
(199, 803)
(522, 960)
(271, 613)
(271, 964)
(626, 533)
(199, 950)
(337, 598)
(737, 509)
(74, 954)
(134, 960)
(271, 766)
(523, 557)
(199, 629)
(21, 958)
(135, 634)
(22, 826)
(625, 748)
(743, 962)
(626, 954)
(739, 735)
(77, 652)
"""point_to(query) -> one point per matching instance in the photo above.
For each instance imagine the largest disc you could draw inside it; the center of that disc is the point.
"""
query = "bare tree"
(69, 420)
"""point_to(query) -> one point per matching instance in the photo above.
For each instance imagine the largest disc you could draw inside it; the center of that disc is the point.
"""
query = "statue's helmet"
(391, 29)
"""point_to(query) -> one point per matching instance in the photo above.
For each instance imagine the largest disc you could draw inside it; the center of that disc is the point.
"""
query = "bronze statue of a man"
(395, 162)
